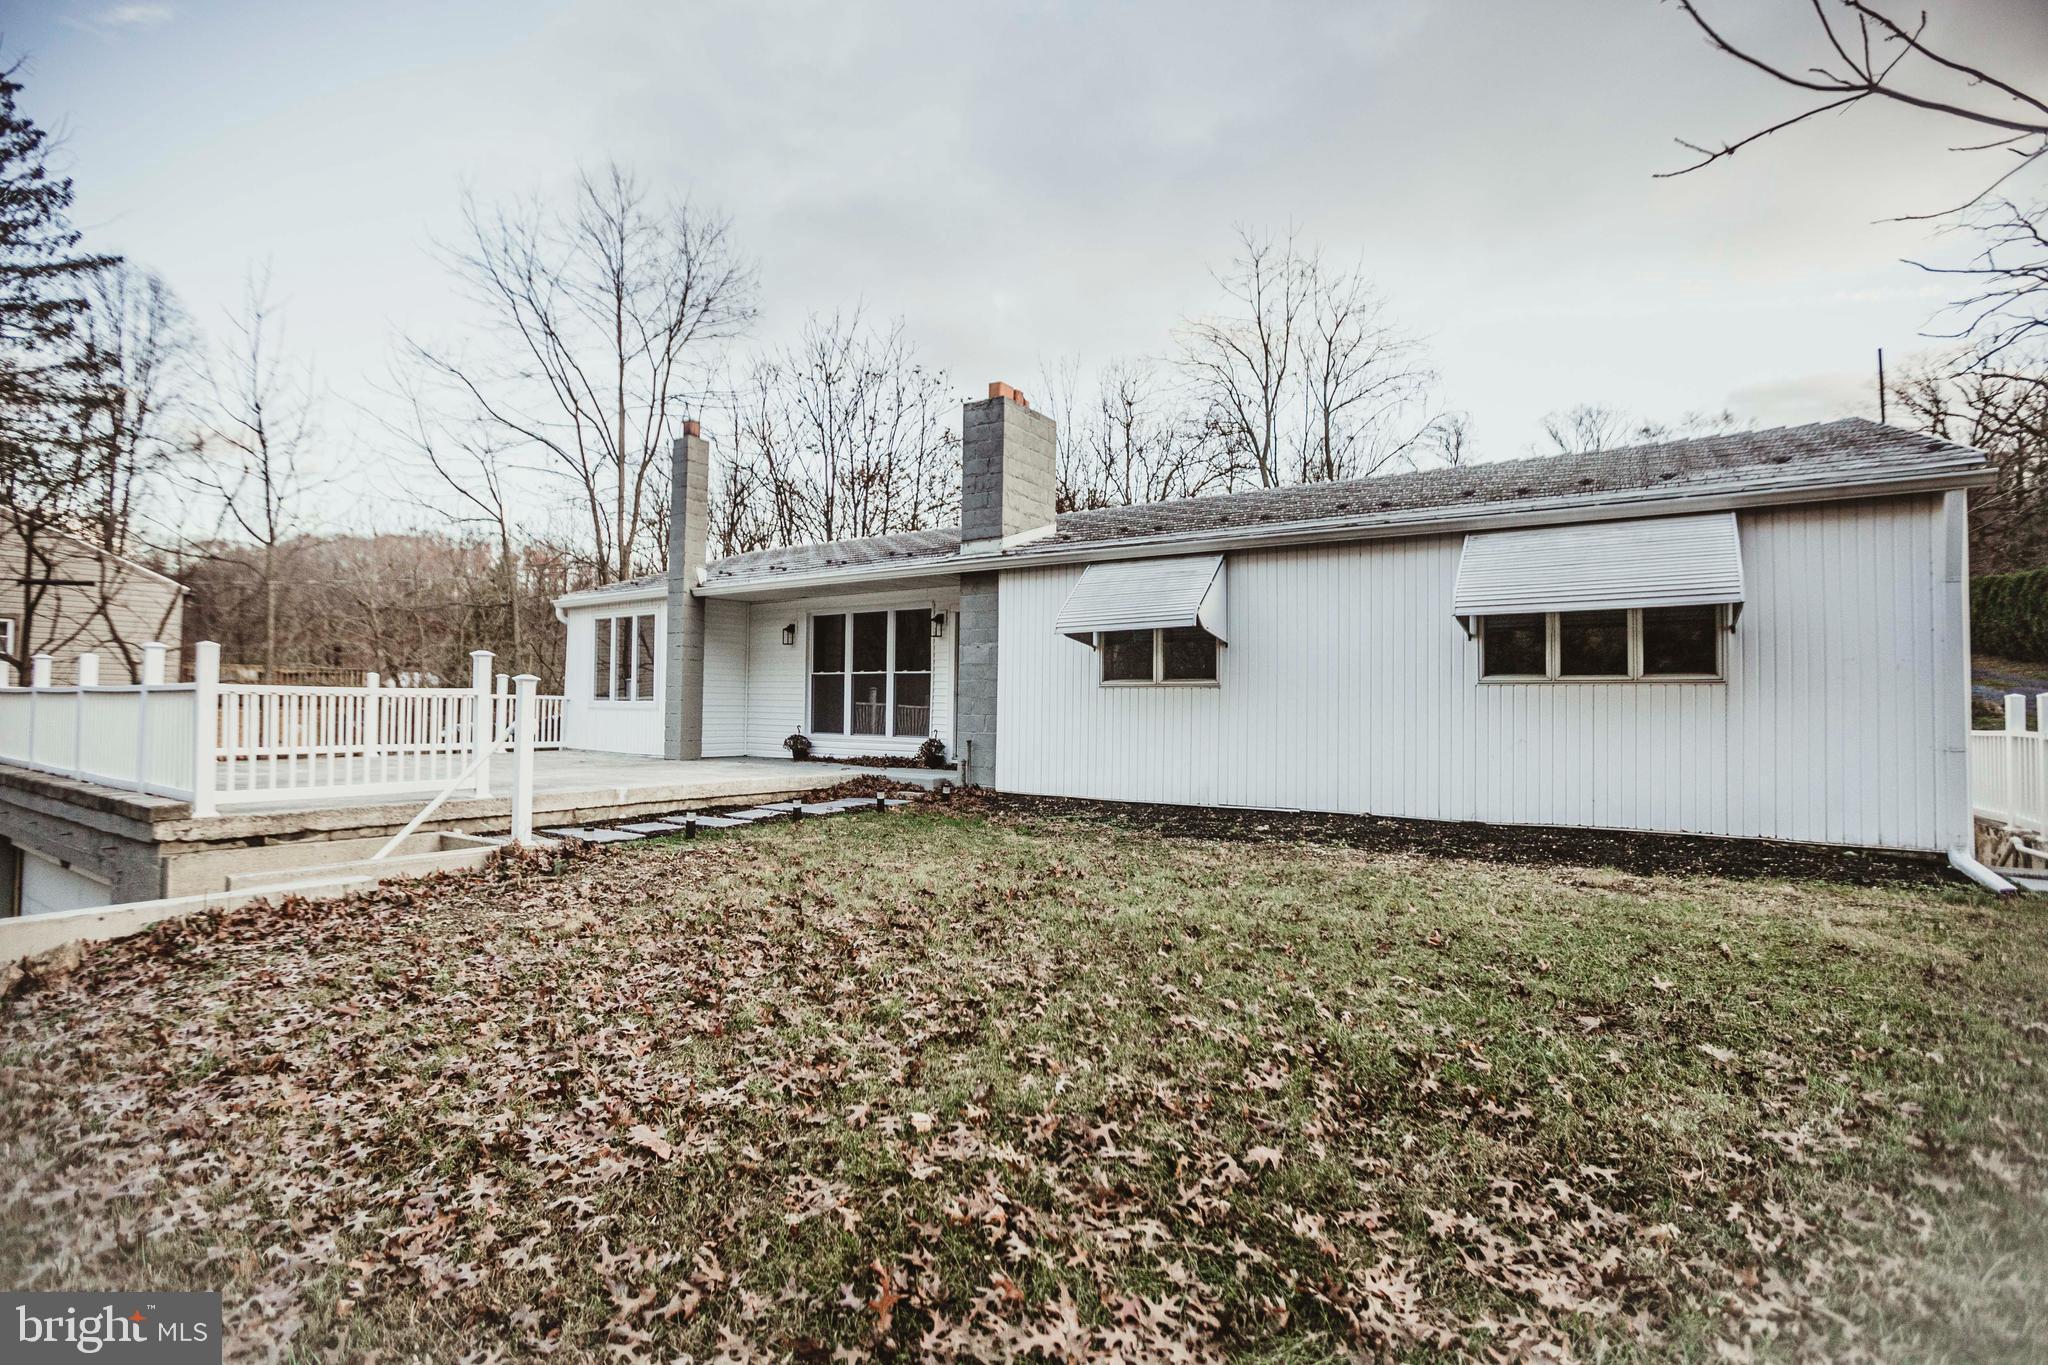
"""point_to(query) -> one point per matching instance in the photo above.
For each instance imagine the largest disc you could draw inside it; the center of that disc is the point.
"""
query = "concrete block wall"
(1008, 468)
(689, 526)
(975, 723)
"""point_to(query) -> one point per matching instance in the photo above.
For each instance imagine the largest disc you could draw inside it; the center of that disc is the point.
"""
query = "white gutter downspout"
(1966, 863)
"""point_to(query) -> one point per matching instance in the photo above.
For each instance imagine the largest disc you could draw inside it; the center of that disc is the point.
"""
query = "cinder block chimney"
(1008, 469)
(1007, 473)
(689, 525)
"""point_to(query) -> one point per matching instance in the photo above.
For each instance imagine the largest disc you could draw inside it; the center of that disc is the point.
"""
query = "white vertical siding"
(613, 727)
(775, 678)
(727, 648)
(1348, 685)
(777, 674)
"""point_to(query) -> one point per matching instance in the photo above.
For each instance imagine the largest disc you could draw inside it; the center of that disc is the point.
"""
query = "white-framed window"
(871, 673)
(1653, 644)
(1180, 656)
(623, 663)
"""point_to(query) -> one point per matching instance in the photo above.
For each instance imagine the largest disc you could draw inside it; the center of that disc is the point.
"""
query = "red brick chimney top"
(998, 389)
(693, 427)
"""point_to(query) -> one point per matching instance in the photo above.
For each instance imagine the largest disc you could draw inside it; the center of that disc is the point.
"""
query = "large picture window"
(1681, 644)
(622, 667)
(871, 673)
(1181, 654)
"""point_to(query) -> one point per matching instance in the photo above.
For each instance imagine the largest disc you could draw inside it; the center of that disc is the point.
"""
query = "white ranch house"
(1758, 635)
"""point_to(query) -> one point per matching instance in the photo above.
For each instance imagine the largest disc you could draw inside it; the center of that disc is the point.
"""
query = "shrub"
(932, 753)
(2009, 615)
(799, 747)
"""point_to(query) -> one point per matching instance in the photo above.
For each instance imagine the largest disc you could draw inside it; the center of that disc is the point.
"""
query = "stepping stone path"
(730, 819)
(593, 836)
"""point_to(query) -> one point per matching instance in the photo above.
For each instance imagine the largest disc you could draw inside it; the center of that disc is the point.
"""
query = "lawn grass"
(921, 1086)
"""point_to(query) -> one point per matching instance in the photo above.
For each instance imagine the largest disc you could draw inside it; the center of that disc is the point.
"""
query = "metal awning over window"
(1146, 594)
(1602, 565)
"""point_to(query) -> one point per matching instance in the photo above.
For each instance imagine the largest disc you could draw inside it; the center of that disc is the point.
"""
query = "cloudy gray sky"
(1034, 182)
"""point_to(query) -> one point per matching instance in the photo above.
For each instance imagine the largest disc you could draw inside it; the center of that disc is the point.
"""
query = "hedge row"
(2009, 615)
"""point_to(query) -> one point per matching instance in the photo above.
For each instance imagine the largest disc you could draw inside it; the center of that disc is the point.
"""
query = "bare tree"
(1304, 378)
(1130, 438)
(1867, 56)
(138, 347)
(843, 434)
(603, 316)
(468, 458)
(1449, 442)
(248, 463)
(1590, 428)
(1240, 364)
(2006, 417)
(1366, 385)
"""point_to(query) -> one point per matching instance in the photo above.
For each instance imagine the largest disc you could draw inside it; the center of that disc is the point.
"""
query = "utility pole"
(1880, 386)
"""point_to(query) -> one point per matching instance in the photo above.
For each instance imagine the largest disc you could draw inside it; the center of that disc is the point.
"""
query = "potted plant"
(932, 753)
(799, 747)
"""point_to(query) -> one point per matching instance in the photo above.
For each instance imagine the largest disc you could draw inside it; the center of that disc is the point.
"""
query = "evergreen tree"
(44, 277)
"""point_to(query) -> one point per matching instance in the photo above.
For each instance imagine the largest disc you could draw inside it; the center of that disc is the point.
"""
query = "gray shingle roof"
(1835, 452)
(839, 554)
(1849, 451)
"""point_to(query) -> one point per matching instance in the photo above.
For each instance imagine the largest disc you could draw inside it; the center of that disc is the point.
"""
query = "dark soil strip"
(1538, 845)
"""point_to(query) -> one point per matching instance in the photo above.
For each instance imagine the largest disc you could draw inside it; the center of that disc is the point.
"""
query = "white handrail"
(520, 736)
(2009, 768)
(213, 743)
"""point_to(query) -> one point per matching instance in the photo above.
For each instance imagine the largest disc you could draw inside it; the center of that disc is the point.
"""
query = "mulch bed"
(880, 761)
(1528, 845)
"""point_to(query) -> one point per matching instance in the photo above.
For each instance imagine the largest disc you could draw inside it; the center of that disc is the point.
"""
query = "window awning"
(1602, 565)
(1146, 594)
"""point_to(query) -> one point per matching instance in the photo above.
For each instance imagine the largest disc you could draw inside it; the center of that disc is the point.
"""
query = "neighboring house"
(70, 597)
(1761, 634)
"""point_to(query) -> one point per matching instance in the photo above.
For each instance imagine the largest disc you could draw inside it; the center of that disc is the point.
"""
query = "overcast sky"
(1029, 183)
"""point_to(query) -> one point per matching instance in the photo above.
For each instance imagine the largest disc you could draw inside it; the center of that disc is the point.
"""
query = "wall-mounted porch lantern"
(789, 633)
(938, 625)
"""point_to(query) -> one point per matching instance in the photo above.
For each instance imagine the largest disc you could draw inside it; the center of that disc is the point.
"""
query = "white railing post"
(373, 729)
(205, 724)
(480, 735)
(152, 676)
(2040, 824)
(501, 706)
(525, 710)
(38, 679)
(2015, 711)
(88, 669)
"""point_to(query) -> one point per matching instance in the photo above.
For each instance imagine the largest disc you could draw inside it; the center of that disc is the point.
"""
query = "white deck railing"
(2009, 768)
(240, 744)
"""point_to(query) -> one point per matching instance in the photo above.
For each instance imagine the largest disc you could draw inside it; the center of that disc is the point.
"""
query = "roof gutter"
(646, 592)
(1384, 526)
